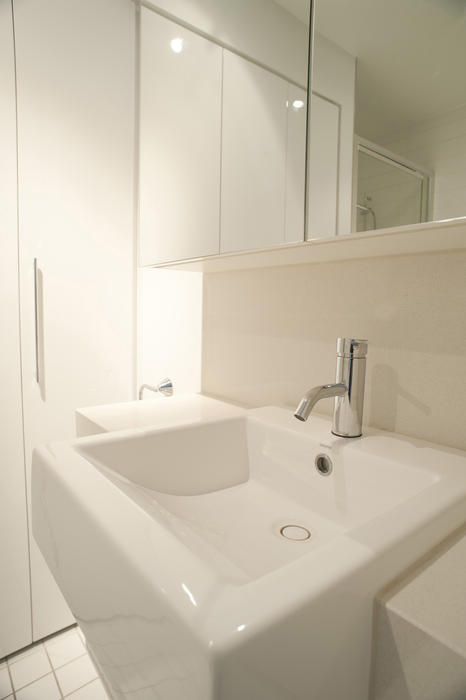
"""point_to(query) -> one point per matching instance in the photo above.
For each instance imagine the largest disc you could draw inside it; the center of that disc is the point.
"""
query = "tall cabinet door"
(15, 604)
(75, 77)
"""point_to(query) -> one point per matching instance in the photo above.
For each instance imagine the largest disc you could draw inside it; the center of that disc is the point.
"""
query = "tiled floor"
(57, 668)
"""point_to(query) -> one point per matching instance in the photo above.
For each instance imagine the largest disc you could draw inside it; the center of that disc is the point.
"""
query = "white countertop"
(160, 411)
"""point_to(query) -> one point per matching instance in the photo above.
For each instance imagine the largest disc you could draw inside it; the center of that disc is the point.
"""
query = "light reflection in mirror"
(176, 45)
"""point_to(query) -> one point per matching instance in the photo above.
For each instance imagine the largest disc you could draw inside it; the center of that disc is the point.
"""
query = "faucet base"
(346, 436)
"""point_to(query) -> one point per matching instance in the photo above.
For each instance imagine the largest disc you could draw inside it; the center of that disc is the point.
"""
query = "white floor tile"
(19, 655)
(76, 674)
(81, 634)
(44, 689)
(5, 684)
(64, 647)
(30, 667)
(91, 691)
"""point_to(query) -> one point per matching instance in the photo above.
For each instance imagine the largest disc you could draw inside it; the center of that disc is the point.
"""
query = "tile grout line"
(53, 671)
(39, 678)
(57, 668)
(11, 662)
(85, 653)
(11, 679)
(16, 690)
(37, 645)
(70, 695)
(10, 658)
(15, 655)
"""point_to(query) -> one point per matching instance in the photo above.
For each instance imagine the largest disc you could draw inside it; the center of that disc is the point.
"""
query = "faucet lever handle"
(351, 347)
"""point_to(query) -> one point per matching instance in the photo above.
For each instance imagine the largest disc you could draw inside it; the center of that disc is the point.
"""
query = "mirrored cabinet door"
(323, 168)
(331, 128)
(222, 130)
(263, 159)
(295, 163)
(180, 120)
(403, 110)
(253, 156)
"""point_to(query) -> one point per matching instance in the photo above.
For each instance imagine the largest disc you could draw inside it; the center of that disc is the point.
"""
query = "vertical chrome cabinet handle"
(39, 328)
(37, 318)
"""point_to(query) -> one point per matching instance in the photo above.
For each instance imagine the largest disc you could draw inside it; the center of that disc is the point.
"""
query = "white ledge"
(431, 237)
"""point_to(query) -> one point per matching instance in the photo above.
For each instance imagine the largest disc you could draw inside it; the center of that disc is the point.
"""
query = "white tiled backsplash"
(270, 334)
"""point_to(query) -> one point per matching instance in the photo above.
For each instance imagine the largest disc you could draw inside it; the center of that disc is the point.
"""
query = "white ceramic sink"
(168, 546)
(163, 411)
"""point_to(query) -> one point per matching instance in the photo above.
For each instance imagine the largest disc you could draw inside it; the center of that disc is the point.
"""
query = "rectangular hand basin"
(232, 489)
(215, 561)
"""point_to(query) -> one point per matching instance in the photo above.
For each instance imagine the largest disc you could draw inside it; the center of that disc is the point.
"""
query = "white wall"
(270, 334)
(440, 146)
(170, 329)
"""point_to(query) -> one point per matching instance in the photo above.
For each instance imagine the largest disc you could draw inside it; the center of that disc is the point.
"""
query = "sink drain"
(298, 533)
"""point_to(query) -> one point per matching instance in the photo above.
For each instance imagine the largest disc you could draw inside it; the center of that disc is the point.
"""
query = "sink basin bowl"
(238, 558)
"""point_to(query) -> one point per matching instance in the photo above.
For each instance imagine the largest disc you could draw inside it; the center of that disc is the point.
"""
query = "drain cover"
(295, 532)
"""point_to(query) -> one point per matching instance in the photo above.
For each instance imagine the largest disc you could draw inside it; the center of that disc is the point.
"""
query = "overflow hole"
(324, 464)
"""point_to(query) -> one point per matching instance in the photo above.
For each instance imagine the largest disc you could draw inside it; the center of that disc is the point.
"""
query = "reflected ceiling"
(411, 57)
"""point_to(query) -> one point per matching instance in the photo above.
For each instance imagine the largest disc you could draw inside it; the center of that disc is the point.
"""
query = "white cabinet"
(221, 149)
(75, 81)
(15, 604)
(179, 154)
(323, 168)
(263, 157)
(253, 156)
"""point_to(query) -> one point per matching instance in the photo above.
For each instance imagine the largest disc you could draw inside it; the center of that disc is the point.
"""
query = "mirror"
(222, 126)
(398, 116)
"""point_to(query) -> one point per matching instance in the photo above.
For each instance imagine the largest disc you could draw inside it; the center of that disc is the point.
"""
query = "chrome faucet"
(348, 390)
(164, 387)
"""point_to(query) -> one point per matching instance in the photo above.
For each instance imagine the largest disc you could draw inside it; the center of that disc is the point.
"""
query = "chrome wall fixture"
(348, 390)
(368, 210)
(164, 387)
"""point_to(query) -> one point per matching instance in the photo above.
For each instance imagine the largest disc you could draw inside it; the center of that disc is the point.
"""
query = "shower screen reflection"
(388, 135)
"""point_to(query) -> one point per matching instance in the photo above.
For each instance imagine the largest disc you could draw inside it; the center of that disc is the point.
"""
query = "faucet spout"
(311, 397)
(348, 390)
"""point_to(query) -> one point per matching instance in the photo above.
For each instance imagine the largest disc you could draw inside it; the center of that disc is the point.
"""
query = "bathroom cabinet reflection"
(240, 181)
